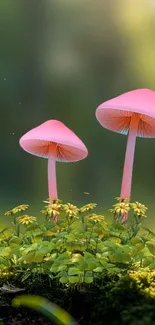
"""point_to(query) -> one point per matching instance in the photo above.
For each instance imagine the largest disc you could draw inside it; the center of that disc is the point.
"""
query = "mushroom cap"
(115, 114)
(53, 139)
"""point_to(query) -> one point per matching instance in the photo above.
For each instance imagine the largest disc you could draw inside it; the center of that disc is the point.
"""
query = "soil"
(12, 316)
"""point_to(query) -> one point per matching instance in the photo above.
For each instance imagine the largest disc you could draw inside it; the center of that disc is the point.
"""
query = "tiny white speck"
(19, 103)
(4, 78)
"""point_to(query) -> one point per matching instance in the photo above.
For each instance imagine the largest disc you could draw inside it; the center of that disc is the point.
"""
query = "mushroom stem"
(129, 157)
(52, 183)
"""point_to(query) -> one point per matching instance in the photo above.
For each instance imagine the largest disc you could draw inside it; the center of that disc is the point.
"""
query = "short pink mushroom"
(132, 114)
(56, 142)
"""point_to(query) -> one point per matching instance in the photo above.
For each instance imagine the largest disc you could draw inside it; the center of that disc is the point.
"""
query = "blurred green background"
(60, 59)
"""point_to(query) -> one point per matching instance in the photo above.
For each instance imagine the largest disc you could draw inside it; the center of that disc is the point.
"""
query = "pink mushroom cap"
(53, 139)
(115, 114)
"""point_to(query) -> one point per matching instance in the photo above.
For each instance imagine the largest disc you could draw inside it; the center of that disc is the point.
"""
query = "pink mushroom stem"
(52, 183)
(129, 157)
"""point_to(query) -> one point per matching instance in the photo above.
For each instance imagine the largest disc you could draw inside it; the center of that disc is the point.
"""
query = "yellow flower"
(71, 209)
(122, 199)
(19, 208)
(121, 208)
(26, 219)
(96, 217)
(53, 209)
(138, 208)
(44, 212)
(88, 207)
(112, 210)
(9, 213)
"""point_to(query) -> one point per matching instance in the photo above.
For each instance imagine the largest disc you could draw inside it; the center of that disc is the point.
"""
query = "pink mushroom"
(54, 141)
(132, 114)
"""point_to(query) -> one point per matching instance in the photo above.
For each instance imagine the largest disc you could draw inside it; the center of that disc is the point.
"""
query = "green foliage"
(74, 245)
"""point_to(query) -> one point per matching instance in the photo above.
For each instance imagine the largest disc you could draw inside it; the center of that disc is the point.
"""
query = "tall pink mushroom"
(56, 142)
(132, 114)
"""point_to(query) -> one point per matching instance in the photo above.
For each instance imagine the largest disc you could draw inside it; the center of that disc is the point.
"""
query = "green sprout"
(49, 309)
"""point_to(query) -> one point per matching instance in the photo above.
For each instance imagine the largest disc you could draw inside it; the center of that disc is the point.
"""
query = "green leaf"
(114, 270)
(105, 232)
(64, 279)
(64, 262)
(88, 277)
(75, 279)
(33, 257)
(99, 269)
(62, 268)
(29, 258)
(51, 257)
(4, 262)
(152, 266)
(93, 243)
(147, 261)
(60, 242)
(119, 257)
(110, 244)
(32, 227)
(151, 246)
(77, 225)
(118, 226)
(70, 237)
(73, 271)
(63, 256)
(115, 239)
(61, 234)
(138, 243)
(54, 268)
(92, 263)
(83, 265)
(38, 258)
(5, 251)
(88, 255)
(3, 230)
(136, 240)
(90, 234)
(151, 233)
(62, 274)
(29, 248)
(103, 260)
(81, 262)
